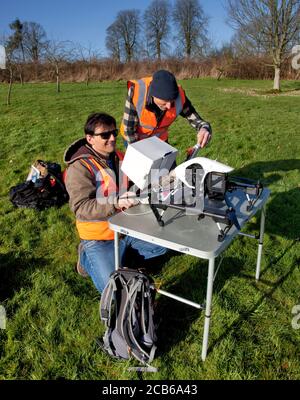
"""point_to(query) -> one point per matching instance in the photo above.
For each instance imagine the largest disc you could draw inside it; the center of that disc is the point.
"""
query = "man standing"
(153, 104)
(93, 183)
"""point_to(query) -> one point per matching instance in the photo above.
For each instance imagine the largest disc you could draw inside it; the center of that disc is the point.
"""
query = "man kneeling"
(93, 182)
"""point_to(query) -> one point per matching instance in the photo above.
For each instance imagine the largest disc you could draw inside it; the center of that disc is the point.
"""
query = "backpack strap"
(107, 297)
(149, 330)
(137, 351)
(106, 300)
(122, 317)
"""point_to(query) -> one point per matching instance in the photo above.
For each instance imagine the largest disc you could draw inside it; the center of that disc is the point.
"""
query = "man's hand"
(203, 137)
(127, 200)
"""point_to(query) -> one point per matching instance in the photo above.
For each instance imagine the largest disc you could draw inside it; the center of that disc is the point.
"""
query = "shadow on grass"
(14, 272)
(276, 260)
(175, 318)
(247, 315)
(283, 216)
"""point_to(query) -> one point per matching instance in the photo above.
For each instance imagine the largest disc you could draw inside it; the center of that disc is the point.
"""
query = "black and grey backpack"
(44, 191)
(126, 308)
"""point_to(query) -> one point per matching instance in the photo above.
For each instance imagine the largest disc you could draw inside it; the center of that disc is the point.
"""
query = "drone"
(201, 187)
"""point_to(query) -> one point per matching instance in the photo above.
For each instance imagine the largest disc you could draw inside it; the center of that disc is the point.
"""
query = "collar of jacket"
(81, 149)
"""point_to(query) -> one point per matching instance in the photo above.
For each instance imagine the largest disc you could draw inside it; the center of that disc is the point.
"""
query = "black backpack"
(46, 191)
(126, 308)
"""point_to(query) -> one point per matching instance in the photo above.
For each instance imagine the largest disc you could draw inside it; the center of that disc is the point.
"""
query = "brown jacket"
(81, 184)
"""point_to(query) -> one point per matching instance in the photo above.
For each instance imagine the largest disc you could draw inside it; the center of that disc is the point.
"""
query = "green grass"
(52, 313)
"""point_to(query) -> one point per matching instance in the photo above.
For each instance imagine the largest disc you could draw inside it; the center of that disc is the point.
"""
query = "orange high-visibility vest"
(147, 120)
(99, 229)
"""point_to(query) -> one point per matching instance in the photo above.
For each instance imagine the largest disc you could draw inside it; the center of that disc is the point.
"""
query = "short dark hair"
(98, 119)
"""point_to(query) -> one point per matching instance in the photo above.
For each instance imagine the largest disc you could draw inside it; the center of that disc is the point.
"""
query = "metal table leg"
(181, 299)
(261, 237)
(117, 250)
(209, 292)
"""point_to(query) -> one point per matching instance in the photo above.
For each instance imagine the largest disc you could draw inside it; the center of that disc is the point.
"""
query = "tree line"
(264, 29)
(134, 36)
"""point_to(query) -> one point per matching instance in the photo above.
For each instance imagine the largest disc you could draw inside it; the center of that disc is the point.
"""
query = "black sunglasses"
(106, 135)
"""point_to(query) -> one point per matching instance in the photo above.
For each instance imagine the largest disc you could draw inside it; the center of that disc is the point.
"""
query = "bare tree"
(113, 42)
(57, 53)
(272, 25)
(244, 44)
(11, 77)
(34, 40)
(191, 25)
(156, 18)
(87, 55)
(127, 26)
(15, 48)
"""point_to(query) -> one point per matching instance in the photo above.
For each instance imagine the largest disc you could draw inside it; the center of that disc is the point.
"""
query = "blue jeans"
(97, 257)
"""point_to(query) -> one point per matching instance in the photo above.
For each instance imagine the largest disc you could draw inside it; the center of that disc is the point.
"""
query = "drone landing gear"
(228, 218)
(222, 232)
(157, 214)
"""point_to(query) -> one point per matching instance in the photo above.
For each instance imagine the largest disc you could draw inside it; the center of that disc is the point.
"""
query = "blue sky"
(85, 21)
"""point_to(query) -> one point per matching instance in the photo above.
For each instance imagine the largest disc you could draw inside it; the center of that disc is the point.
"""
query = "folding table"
(186, 234)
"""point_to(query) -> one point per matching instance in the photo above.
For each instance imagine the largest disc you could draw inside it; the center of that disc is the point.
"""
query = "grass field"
(52, 313)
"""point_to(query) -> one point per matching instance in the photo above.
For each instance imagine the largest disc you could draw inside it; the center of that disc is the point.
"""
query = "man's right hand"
(203, 137)
(127, 200)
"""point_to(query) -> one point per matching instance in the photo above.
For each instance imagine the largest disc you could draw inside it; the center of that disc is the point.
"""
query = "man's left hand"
(203, 137)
